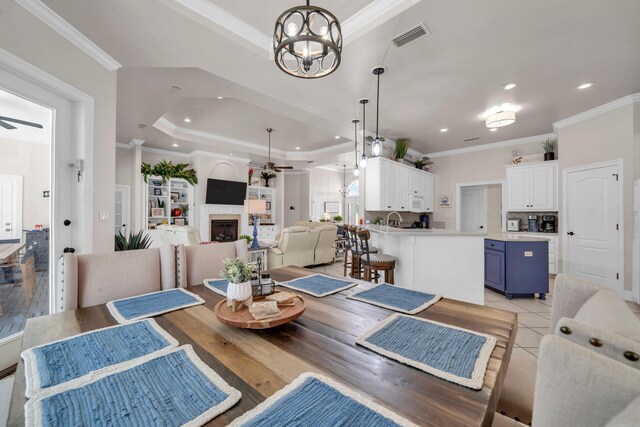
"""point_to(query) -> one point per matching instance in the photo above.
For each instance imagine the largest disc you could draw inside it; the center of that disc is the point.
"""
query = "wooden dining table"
(260, 362)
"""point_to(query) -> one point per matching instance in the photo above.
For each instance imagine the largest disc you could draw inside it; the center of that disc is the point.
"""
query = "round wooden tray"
(243, 318)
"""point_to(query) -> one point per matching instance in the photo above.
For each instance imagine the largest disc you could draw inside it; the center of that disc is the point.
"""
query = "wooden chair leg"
(376, 274)
(346, 258)
(367, 273)
(388, 276)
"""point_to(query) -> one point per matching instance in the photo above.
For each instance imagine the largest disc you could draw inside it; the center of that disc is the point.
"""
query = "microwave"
(416, 203)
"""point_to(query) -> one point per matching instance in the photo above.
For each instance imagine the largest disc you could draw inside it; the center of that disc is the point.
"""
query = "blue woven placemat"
(396, 298)
(68, 359)
(218, 286)
(313, 400)
(135, 308)
(172, 389)
(318, 285)
(454, 354)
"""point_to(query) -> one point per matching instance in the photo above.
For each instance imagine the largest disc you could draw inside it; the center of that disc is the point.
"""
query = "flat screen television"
(221, 192)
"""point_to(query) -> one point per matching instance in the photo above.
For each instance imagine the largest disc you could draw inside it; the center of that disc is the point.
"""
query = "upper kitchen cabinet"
(532, 187)
(392, 186)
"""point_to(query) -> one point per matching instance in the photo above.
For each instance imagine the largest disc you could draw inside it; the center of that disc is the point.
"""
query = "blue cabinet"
(517, 268)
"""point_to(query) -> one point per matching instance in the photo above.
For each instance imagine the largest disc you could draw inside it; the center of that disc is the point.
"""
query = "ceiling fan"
(4, 124)
(270, 166)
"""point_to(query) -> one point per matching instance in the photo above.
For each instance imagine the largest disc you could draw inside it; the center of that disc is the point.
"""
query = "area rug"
(396, 298)
(218, 286)
(318, 285)
(448, 352)
(313, 400)
(71, 358)
(171, 389)
(135, 308)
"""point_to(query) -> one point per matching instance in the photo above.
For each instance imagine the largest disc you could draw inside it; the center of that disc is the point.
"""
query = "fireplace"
(224, 230)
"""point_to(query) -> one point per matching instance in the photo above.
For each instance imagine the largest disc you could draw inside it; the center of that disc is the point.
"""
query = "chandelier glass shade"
(307, 42)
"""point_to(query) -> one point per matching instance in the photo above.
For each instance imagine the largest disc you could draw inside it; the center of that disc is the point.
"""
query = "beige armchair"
(325, 250)
(199, 262)
(178, 235)
(590, 316)
(93, 279)
(292, 248)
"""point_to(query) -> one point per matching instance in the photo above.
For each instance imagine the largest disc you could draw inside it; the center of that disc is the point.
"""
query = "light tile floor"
(533, 315)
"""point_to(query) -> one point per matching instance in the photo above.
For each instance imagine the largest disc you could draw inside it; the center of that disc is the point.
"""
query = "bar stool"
(355, 252)
(375, 262)
(347, 248)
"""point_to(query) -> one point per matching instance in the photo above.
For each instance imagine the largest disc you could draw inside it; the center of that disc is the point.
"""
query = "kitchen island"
(444, 262)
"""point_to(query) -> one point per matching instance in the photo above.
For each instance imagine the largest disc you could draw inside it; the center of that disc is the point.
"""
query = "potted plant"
(132, 242)
(246, 237)
(549, 147)
(337, 218)
(402, 146)
(167, 170)
(267, 175)
(239, 273)
(419, 164)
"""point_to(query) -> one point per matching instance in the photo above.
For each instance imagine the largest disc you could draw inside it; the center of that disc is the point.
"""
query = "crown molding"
(371, 16)
(201, 153)
(69, 32)
(491, 146)
(131, 144)
(610, 106)
(166, 152)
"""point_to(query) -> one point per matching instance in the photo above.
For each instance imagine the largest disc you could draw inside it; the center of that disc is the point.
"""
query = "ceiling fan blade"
(7, 125)
(284, 167)
(21, 122)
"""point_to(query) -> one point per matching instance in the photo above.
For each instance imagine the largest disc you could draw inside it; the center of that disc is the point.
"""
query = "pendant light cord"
(364, 126)
(355, 132)
(378, 106)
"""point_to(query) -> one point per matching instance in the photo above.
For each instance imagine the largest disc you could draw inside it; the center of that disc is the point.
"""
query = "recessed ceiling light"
(297, 148)
(493, 129)
(443, 130)
(337, 137)
(509, 86)
(231, 154)
(585, 86)
(187, 120)
(174, 145)
(221, 97)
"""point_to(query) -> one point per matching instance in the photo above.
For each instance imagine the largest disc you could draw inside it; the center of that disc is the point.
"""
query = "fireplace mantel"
(209, 212)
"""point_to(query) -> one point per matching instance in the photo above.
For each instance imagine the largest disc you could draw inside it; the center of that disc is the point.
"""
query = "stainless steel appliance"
(533, 223)
(513, 224)
(548, 224)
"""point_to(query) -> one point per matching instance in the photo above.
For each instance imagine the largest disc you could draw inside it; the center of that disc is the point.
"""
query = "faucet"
(391, 213)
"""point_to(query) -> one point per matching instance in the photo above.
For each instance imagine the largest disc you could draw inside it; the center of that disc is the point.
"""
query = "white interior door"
(473, 209)
(317, 208)
(10, 207)
(121, 210)
(593, 220)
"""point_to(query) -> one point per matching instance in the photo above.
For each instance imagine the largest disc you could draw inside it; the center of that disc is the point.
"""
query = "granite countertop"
(420, 231)
(506, 237)
(539, 233)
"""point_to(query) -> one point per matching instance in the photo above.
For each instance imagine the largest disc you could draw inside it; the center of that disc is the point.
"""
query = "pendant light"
(343, 189)
(355, 122)
(307, 42)
(363, 159)
(376, 147)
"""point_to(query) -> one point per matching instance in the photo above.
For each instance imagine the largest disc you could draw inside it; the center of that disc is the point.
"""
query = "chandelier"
(343, 190)
(307, 42)
(376, 146)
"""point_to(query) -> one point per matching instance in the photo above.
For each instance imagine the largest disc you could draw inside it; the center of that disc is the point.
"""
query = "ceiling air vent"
(173, 89)
(475, 138)
(411, 35)
(141, 126)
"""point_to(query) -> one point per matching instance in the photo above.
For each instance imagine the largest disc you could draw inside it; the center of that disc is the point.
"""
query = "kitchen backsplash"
(524, 218)
(407, 217)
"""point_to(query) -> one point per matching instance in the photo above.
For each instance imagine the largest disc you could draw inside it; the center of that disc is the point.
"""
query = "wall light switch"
(104, 216)
(528, 253)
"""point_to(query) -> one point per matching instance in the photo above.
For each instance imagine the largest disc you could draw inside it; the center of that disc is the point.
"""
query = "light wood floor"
(15, 312)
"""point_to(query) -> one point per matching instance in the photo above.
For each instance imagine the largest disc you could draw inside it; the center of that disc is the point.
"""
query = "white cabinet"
(389, 186)
(532, 187)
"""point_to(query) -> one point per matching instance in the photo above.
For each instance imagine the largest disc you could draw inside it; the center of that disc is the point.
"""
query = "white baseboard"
(628, 295)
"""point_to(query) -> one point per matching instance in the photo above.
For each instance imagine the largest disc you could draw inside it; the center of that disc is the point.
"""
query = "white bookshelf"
(267, 226)
(167, 196)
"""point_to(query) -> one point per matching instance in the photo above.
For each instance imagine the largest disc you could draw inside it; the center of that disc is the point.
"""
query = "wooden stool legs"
(388, 273)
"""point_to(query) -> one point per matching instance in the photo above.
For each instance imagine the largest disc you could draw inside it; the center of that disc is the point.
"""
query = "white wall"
(296, 195)
(494, 208)
(324, 183)
(25, 36)
(32, 161)
(123, 166)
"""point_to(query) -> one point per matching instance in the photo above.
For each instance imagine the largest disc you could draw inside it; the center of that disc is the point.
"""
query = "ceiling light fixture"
(443, 130)
(307, 42)
(500, 119)
(174, 145)
(297, 148)
(343, 189)
(509, 86)
(493, 129)
(337, 137)
(187, 120)
(363, 159)
(585, 86)
(376, 147)
(220, 97)
(355, 122)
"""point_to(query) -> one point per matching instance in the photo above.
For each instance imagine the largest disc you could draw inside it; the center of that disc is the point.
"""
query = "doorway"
(592, 204)
(121, 211)
(480, 207)
(10, 206)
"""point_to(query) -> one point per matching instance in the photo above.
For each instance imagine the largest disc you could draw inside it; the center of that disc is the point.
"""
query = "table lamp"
(253, 208)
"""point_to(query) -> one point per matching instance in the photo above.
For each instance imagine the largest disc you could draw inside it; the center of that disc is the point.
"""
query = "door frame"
(564, 226)
(458, 198)
(125, 218)
(16, 204)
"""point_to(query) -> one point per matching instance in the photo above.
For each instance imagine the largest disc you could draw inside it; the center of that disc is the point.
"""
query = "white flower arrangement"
(238, 270)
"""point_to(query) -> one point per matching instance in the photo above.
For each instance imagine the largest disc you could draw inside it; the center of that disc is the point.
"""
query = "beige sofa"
(593, 319)
(199, 262)
(301, 246)
(92, 279)
(178, 235)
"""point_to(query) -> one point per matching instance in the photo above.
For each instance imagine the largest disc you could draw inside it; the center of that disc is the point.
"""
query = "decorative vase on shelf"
(266, 183)
(238, 294)
(549, 156)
